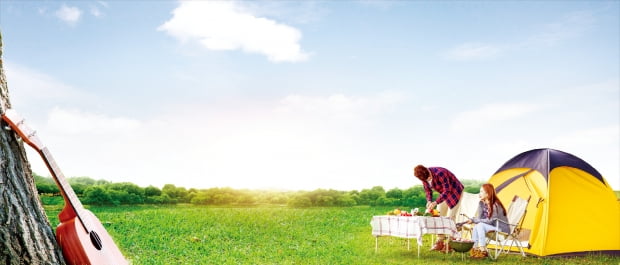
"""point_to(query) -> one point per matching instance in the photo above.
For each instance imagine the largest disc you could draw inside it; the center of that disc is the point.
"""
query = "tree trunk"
(26, 236)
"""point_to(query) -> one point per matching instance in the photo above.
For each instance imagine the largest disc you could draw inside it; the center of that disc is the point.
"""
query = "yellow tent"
(572, 209)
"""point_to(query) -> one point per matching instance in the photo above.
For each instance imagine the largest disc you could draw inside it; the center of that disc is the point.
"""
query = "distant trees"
(472, 186)
(101, 192)
(45, 185)
(322, 197)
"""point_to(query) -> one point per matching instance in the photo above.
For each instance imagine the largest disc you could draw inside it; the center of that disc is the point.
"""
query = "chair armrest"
(500, 220)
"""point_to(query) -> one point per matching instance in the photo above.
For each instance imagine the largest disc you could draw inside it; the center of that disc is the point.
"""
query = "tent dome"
(572, 209)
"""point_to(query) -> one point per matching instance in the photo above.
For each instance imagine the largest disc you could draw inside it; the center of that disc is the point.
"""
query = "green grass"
(52, 200)
(187, 234)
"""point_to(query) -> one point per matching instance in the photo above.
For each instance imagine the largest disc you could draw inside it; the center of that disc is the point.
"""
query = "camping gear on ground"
(463, 246)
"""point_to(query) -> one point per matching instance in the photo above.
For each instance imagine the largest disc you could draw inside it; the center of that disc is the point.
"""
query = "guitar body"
(81, 235)
(77, 246)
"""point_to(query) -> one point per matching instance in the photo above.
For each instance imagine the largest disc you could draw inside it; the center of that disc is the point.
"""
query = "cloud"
(284, 144)
(568, 27)
(95, 9)
(103, 3)
(78, 122)
(486, 115)
(226, 25)
(31, 89)
(70, 15)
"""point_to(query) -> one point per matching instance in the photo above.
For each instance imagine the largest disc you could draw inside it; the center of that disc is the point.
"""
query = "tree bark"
(26, 236)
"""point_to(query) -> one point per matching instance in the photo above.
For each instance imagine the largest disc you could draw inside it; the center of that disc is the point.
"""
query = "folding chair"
(516, 214)
(467, 209)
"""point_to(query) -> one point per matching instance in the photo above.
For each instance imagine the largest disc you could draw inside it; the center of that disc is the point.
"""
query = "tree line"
(102, 192)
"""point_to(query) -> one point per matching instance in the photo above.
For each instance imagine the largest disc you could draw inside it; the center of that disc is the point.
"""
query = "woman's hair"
(421, 172)
(490, 190)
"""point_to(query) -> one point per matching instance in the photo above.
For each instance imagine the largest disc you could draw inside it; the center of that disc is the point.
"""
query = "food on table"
(399, 212)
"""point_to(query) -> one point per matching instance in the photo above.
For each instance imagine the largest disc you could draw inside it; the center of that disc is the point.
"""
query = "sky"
(305, 95)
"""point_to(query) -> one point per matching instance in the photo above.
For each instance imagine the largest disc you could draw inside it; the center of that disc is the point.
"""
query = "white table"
(411, 227)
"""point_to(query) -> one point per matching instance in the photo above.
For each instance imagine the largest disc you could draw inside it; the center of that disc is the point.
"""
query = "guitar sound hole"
(94, 238)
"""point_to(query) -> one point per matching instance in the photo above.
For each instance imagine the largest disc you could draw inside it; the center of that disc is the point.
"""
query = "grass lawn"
(186, 234)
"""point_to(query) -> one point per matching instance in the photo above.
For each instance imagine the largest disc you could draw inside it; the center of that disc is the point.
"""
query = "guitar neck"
(60, 179)
(64, 186)
(28, 135)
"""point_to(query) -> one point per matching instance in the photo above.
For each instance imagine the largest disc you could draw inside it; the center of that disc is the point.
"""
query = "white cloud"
(95, 11)
(226, 25)
(103, 3)
(68, 14)
(41, 10)
(30, 89)
(31, 82)
(472, 51)
(486, 115)
(568, 27)
(78, 122)
(286, 144)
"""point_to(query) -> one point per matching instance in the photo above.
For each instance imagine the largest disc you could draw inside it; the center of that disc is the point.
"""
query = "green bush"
(300, 201)
(97, 195)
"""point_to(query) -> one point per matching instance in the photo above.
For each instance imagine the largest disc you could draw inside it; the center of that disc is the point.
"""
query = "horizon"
(465, 182)
(305, 95)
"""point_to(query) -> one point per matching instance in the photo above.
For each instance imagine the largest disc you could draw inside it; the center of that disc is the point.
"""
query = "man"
(449, 189)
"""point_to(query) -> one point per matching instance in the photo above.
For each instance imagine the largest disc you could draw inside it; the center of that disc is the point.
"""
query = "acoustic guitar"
(81, 235)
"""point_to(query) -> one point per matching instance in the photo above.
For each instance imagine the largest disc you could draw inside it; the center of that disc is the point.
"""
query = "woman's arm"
(482, 219)
(500, 219)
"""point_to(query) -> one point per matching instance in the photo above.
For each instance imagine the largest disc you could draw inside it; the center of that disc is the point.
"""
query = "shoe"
(439, 246)
(474, 252)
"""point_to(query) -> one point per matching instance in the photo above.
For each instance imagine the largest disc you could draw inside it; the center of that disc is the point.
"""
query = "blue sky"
(312, 94)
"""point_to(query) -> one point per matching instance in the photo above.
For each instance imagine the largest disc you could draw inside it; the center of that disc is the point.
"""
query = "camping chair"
(516, 214)
(467, 209)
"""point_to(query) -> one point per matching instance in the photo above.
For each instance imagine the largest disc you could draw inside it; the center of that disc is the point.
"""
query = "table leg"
(376, 243)
(418, 250)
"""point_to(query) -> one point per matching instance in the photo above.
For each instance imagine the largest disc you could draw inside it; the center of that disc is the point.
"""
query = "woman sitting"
(490, 210)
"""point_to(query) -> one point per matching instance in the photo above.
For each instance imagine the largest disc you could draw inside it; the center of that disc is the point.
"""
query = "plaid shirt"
(446, 184)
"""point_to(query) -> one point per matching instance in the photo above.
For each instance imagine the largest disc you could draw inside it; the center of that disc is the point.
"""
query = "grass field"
(185, 234)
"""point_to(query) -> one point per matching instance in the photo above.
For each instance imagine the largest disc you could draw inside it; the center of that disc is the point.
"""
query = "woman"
(490, 210)
(449, 189)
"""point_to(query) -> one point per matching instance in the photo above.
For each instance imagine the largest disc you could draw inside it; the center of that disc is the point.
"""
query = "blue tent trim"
(544, 160)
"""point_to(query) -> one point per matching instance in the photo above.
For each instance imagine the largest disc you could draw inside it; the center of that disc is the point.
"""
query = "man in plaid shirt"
(449, 189)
